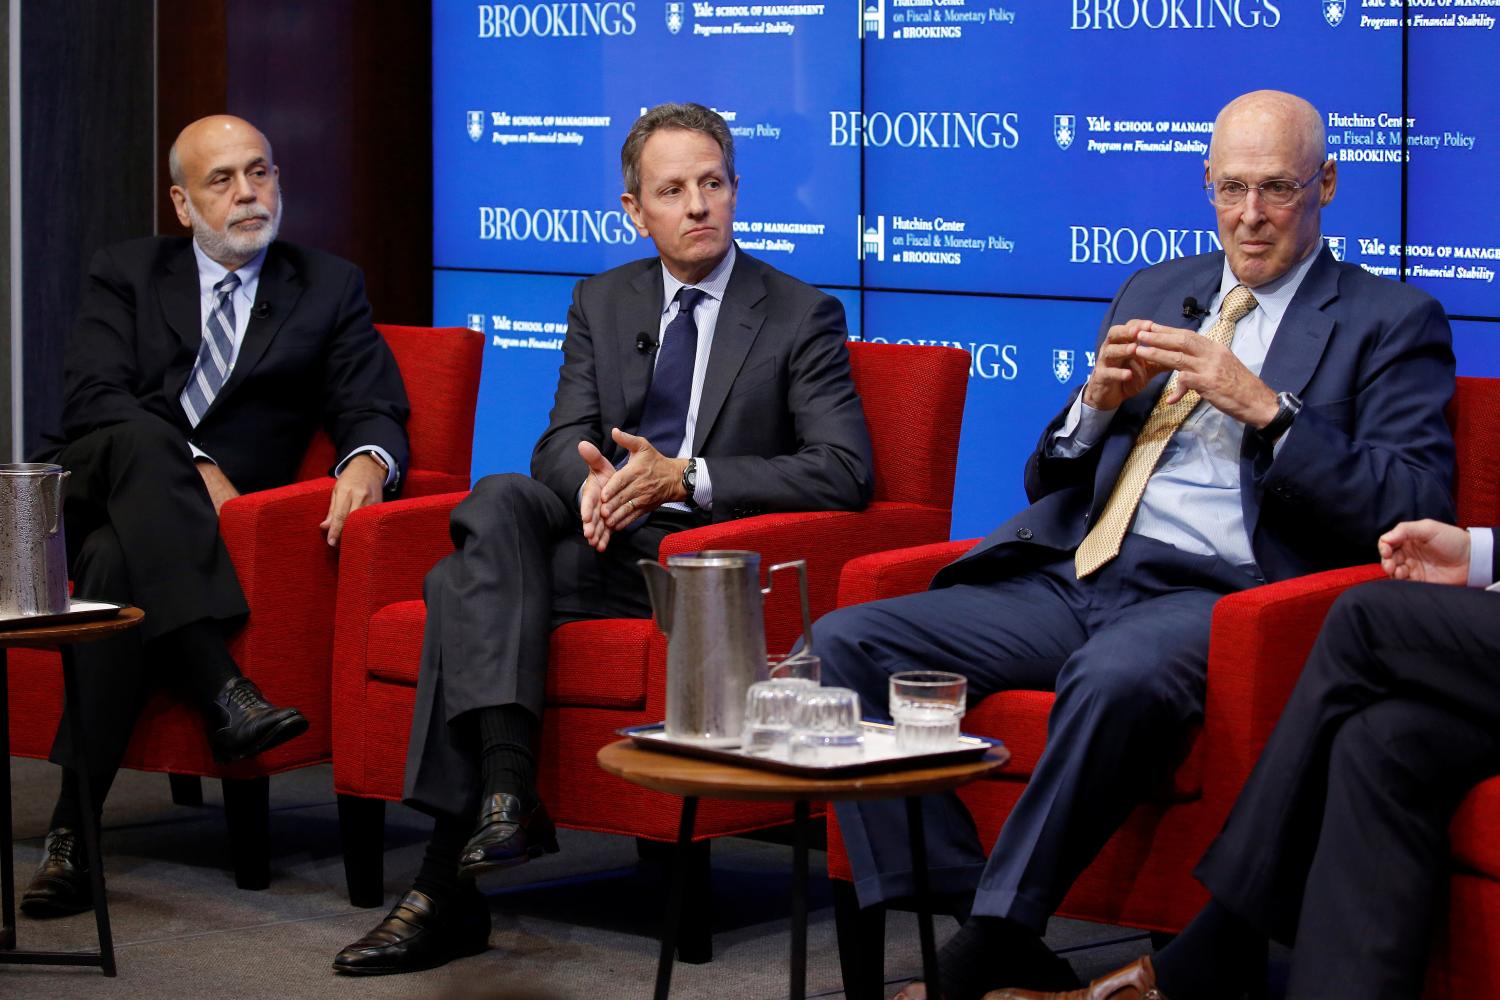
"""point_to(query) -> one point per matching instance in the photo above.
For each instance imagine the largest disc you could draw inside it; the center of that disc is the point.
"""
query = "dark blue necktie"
(664, 418)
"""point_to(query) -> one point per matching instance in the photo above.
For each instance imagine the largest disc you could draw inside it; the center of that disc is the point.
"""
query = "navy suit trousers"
(1125, 651)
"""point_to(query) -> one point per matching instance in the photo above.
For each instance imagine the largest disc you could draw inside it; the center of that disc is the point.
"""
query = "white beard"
(228, 246)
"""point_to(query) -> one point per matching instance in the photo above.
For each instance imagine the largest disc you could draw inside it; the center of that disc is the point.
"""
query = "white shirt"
(210, 273)
(1192, 501)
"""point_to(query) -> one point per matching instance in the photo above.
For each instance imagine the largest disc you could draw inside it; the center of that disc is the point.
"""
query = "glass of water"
(770, 707)
(825, 726)
(797, 667)
(926, 706)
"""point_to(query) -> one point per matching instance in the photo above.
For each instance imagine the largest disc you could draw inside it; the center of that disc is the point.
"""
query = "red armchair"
(1260, 639)
(288, 576)
(607, 674)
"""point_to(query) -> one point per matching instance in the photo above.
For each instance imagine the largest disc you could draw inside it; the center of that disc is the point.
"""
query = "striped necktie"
(215, 354)
(1103, 541)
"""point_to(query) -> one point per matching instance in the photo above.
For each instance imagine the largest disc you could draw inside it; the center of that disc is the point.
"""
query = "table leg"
(8, 848)
(919, 882)
(799, 899)
(90, 824)
(674, 899)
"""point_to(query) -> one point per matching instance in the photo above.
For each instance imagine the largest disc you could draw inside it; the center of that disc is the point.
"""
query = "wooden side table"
(693, 779)
(55, 637)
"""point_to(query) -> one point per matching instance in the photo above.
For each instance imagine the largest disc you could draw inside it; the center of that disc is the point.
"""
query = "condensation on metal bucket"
(33, 553)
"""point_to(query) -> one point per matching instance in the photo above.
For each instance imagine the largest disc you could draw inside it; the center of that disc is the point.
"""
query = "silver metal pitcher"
(709, 606)
(33, 554)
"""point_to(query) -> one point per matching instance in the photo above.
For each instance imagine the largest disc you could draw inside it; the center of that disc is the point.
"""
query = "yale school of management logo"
(1064, 127)
(1062, 365)
(476, 322)
(1336, 246)
(1333, 12)
(676, 12)
(476, 125)
(871, 238)
(871, 18)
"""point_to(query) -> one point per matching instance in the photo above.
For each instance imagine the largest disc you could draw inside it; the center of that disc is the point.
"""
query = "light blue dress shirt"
(1192, 501)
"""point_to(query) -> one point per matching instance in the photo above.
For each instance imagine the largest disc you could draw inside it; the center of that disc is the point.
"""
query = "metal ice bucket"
(33, 554)
(709, 605)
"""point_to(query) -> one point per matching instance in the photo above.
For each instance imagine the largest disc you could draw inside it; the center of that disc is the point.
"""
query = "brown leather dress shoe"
(61, 884)
(1136, 981)
(508, 834)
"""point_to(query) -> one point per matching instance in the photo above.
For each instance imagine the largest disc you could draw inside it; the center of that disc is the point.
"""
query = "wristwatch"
(690, 483)
(1287, 408)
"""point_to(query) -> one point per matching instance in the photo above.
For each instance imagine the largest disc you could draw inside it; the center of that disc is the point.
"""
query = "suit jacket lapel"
(1303, 334)
(741, 316)
(177, 290)
(638, 314)
(275, 297)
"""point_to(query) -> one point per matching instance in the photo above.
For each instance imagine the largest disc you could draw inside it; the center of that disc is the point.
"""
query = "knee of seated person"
(1118, 685)
(148, 435)
(840, 641)
(1354, 608)
(504, 488)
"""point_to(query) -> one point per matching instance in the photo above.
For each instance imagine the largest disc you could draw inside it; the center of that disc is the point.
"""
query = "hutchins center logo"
(925, 129)
(1333, 12)
(556, 20)
(871, 238)
(872, 19)
(555, 225)
(1156, 15)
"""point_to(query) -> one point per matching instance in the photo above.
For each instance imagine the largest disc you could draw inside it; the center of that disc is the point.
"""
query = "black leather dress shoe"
(419, 933)
(61, 884)
(508, 834)
(242, 723)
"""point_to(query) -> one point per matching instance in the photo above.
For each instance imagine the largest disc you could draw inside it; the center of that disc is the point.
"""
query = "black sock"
(993, 952)
(65, 813)
(1218, 950)
(200, 658)
(508, 737)
(438, 877)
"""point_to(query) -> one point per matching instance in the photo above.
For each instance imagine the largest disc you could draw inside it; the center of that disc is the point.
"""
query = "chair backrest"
(440, 367)
(1474, 415)
(914, 407)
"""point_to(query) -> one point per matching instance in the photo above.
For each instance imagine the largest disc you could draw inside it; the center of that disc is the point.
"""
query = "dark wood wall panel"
(86, 166)
(192, 81)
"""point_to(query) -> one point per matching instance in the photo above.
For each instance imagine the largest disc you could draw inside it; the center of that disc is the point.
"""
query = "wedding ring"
(632, 503)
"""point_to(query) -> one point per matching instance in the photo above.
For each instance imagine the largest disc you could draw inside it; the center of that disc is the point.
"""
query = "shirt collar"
(1273, 297)
(715, 284)
(211, 272)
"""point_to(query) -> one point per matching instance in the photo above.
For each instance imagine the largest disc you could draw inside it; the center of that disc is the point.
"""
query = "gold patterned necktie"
(1102, 543)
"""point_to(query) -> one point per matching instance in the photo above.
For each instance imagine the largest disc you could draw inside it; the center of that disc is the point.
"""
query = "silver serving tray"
(880, 752)
(78, 611)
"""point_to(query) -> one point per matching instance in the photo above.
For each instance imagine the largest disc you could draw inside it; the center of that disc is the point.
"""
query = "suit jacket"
(310, 355)
(778, 419)
(1372, 361)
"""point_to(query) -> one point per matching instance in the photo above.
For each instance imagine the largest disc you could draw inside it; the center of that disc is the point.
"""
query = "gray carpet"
(582, 924)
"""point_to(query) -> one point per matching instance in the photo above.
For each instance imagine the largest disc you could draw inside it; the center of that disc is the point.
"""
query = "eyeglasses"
(1278, 193)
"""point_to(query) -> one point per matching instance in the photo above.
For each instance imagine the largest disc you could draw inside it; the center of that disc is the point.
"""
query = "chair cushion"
(600, 664)
(1475, 830)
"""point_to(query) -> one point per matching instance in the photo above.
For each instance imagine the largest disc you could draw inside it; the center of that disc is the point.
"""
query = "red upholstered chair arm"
(285, 568)
(896, 572)
(1260, 641)
(826, 539)
(386, 552)
(430, 482)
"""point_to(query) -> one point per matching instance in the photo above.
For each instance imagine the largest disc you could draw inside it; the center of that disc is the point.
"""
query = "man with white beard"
(199, 369)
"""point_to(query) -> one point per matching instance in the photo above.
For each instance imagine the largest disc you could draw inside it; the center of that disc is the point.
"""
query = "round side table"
(55, 636)
(692, 779)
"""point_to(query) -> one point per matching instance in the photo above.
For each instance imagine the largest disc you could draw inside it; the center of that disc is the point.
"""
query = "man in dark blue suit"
(1301, 418)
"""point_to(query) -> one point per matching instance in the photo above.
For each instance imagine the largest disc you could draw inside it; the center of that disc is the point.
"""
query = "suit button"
(1024, 534)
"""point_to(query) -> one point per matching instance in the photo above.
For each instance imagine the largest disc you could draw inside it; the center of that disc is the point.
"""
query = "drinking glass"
(796, 667)
(926, 706)
(825, 726)
(769, 710)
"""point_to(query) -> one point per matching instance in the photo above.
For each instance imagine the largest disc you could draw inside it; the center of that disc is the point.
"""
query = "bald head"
(224, 186)
(1285, 121)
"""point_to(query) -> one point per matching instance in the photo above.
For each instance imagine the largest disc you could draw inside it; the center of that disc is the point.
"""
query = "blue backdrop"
(982, 173)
